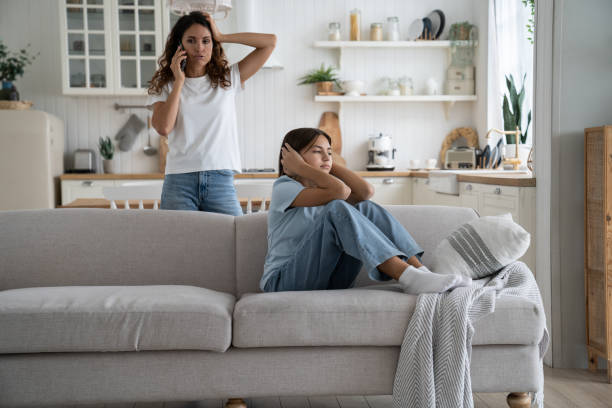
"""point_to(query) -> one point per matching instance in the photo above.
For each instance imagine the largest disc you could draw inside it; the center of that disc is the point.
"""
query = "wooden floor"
(562, 388)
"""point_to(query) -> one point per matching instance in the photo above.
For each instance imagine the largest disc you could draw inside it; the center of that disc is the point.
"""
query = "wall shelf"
(407, 98)
(448, 100)
(387, 44)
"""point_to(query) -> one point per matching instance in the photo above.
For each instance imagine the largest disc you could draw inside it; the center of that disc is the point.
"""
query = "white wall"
(272, 103)
(582, 97)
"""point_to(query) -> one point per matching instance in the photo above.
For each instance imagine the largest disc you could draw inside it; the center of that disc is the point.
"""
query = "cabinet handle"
(427, 181)
(468, 187)
(388, 181)
(497, 190)
(87, 183)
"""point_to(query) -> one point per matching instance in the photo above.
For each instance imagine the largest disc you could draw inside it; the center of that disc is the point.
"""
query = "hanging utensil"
(148, 149)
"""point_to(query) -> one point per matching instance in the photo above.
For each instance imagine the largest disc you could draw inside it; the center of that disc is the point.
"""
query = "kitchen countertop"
(511, 179)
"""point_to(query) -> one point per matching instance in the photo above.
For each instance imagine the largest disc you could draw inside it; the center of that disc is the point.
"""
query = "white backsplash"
(272, 103)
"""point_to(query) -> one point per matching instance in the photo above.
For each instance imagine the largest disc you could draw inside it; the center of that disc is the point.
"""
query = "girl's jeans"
(344, 238)
(211, 191)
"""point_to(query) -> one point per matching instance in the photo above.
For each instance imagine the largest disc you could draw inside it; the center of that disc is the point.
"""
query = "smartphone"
(183, 62)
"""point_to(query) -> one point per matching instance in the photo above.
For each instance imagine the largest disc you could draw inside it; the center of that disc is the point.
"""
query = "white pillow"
(481, 247)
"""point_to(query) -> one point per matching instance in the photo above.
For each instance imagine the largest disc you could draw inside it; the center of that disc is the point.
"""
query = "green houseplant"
(512, 118)
(512, 110)
(12, 66)
(323, 77)
(107, 151)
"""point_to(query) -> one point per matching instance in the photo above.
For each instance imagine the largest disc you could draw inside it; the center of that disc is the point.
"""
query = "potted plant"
(512, 112)
(107, 151)
(12, 66)
(461, 31)
(323, 77)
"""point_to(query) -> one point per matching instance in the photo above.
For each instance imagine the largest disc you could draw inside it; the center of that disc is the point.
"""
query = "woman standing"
(192, 97)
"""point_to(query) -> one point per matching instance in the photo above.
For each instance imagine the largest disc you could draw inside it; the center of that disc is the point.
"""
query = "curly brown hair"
(217, 68)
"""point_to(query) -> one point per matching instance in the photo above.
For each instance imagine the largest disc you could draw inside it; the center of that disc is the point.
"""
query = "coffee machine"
(381, 153)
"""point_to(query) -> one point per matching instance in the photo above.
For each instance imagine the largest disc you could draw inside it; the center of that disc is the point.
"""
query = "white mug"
(432, 87)
(431, 163)
(414, 164)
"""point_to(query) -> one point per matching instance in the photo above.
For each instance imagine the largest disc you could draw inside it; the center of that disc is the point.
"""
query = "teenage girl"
(322, 228)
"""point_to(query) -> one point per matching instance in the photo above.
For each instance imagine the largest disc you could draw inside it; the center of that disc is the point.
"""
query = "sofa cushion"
(114, 318)
(370, 316)
(481, 247)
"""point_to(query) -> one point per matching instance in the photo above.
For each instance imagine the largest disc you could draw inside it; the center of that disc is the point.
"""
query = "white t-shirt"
(205, 136)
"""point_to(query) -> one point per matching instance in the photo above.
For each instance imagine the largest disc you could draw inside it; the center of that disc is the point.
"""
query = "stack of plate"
(427, 28)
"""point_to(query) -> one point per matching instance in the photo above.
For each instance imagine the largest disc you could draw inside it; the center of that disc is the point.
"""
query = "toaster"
(84, 161)
(460, 158)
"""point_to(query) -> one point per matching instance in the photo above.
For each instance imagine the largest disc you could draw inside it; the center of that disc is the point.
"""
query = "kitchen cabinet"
(391, 190)
(110, 47)
(92, 188)
(423, 195)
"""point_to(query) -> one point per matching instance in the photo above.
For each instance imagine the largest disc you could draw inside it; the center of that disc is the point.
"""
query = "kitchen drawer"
(73, 189)
(460, 87)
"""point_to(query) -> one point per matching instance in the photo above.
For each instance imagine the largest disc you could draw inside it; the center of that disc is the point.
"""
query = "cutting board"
(163, 150)
(330, 124)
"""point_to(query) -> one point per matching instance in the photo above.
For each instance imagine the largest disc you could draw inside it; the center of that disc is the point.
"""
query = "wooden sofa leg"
(519, 400)
(236, 403)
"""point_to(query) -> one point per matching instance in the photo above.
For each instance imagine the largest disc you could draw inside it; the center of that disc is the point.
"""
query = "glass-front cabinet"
(110, 46)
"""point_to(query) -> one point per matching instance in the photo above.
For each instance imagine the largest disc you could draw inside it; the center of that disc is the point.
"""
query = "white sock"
(424, 268)
(416, 281)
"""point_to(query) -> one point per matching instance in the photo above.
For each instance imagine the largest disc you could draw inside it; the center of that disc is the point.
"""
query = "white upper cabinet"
(110, 46)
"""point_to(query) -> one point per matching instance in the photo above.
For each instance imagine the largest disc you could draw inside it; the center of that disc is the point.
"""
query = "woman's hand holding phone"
(178, 62)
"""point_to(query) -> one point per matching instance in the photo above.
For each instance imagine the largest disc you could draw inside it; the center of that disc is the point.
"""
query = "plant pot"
(325, 86)
(510, 153)
(110, 166)
(8, 92)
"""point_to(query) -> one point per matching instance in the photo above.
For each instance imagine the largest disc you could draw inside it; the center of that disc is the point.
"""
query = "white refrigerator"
(31, 159)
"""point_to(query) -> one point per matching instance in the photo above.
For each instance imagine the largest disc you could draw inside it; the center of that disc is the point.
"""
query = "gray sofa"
(109, 306)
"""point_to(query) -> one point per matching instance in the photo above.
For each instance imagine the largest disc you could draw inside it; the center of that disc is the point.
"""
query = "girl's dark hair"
(217, 68)
(299, 139)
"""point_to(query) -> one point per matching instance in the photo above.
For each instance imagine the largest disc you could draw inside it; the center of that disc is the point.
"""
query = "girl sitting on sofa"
(322, 228)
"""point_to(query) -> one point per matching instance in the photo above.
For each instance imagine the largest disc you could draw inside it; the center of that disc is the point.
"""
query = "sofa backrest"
(427, 224)
(62, 247)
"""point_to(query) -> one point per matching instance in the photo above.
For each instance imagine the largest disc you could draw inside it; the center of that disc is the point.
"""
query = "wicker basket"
(19, 105)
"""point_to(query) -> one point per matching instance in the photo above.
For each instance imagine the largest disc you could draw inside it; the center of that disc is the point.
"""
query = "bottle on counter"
(334, 31)
(355, 25)
(393, 29)
(376, 32)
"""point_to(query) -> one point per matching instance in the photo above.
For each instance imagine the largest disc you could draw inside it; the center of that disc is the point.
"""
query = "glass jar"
(376, 32)
(405, 85)
(334, 32)
(355, 25)
(394, 89)
(393, 29)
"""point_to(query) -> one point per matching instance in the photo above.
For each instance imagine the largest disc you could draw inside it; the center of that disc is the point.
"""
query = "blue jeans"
(211, 191)
(344, 238)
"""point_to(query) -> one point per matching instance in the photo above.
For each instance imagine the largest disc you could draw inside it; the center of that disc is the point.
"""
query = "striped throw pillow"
(481, 247)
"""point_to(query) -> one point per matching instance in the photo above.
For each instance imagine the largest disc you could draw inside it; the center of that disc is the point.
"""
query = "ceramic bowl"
(353, 87)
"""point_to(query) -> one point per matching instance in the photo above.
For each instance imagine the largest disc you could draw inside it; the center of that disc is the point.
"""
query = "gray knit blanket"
(434, 363)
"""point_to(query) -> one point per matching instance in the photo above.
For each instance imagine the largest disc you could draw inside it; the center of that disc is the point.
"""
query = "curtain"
(510, 52)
